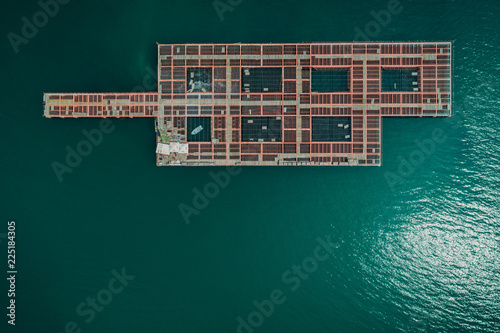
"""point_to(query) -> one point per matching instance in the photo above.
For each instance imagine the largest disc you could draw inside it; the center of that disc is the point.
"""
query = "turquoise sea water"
(418, 255)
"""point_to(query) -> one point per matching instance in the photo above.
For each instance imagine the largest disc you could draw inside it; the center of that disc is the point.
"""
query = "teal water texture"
(418, 255)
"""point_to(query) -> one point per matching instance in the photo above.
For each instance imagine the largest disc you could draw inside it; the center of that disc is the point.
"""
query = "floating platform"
(278, 104)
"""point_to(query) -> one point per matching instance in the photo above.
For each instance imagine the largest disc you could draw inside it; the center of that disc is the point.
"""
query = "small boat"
(197, 130)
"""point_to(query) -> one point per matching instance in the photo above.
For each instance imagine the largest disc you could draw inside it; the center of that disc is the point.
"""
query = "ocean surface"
(418, 252)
